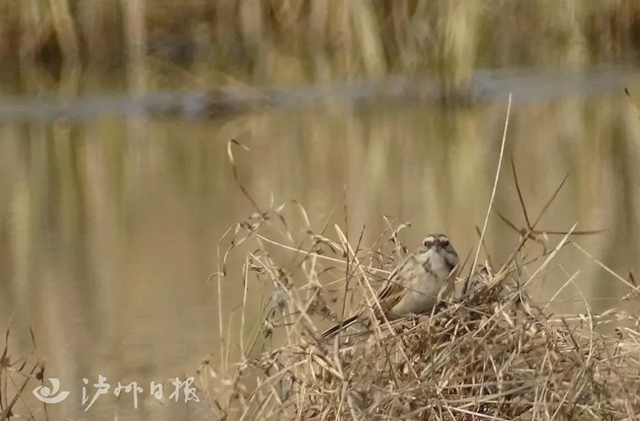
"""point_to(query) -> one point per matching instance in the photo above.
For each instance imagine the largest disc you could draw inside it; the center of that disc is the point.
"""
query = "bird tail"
(337, 328)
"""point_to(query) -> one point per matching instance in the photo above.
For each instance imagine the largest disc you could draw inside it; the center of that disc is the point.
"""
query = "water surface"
(110, 226)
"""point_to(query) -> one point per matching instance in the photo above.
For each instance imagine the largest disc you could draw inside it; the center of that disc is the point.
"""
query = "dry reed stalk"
(276, 38)
(64, 25)
(15, 376)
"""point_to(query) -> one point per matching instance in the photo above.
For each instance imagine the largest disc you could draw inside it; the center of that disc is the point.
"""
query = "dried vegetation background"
(303, 40)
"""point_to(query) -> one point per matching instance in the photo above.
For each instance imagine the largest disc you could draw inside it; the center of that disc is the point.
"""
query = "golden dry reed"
(316, 39)
(489, 353)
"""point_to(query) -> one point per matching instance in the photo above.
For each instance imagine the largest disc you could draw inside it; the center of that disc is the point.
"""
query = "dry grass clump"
(495, 356)
(15, 375)
(491, 353)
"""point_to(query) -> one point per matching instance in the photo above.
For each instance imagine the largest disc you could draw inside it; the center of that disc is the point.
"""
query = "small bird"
(415, 285)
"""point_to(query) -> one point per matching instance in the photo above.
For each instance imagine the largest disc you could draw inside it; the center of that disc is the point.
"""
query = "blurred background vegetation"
(302, 41)
(110, 226)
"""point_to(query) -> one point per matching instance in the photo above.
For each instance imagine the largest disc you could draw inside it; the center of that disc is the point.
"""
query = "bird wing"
(388, 297)
(396, 286)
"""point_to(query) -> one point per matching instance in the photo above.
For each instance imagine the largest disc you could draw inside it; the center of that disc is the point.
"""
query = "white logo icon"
(44, 394)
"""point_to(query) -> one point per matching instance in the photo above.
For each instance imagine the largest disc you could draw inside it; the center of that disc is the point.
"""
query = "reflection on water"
(111, 227)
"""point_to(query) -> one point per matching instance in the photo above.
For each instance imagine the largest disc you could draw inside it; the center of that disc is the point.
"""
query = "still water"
(111, 227)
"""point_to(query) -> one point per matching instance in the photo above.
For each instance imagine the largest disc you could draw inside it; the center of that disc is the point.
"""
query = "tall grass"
(314, 39)
(492, 353)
